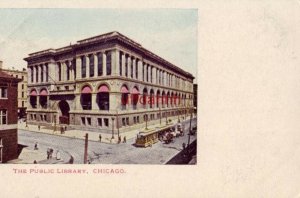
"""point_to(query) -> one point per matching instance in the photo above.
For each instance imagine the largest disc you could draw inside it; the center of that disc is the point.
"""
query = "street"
(103, 153)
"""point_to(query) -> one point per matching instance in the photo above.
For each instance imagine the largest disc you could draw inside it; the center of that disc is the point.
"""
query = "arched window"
(167, 99)
(151, 101)
(145, 93)
(163, 99)
(103, 97)
(157, 98)
(86, 98)
(33, 98)
(135, 97)
(124, 96)
(43, 98)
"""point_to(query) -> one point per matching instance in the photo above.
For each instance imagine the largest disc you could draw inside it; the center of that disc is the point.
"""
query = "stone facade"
(22, 89)
(101, 83)
(8, 117)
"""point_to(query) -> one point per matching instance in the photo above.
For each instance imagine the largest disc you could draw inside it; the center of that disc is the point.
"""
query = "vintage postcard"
(98, 86)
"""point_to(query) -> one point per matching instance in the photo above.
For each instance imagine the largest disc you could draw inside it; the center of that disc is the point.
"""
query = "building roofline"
(104, 37)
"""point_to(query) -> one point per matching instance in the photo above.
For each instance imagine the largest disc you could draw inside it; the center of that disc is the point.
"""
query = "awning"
(124, 90)
(33, 93)
(44, 93)
(86, 90)
(135, 91)
(103, 89)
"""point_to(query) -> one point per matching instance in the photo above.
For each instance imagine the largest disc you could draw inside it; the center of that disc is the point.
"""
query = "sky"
(169, 33)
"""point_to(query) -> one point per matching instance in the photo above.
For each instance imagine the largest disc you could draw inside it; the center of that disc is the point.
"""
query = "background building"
(8, 117)
(22, 88)
(103, 83)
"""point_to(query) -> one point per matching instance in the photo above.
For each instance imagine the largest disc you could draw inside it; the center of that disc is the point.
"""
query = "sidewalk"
(27, 156)
(93, 136)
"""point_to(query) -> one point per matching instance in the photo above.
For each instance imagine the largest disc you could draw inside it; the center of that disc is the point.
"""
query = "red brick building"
(8, 117)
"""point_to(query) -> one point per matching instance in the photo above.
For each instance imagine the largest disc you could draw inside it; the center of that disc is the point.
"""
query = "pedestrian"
(57, 155)
(36, 146)
(119, 140)
(48, 153)
(71, 160)
(100, 137)
(35, 162)
(124, 139)
(51, 152)
(183, 146)
(39, 127)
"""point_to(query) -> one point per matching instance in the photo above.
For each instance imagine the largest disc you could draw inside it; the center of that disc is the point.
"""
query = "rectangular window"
(42, 76)
(150, 73)
(134, 120)
(138, 119)
(147, 76)
(59, 72)
(22, 94)
(106, 122)
(123, 122)
(41, 117)
(83, 67)
(22, 103)
(22, 86)
(100, 122)
(3, 92)
(68, 70)
(47, 73)
(108, 64)
(17, 76)
(91, 57)
(3, 116)
(89, 121)
(126, 66)
(34, 116)
(74, 68)
(120, 63)
(82, 120)
(31, 73)
(100, 64)
(127, 121)
(22, 77)
(45, 118)
(67, 88)
(136, 69)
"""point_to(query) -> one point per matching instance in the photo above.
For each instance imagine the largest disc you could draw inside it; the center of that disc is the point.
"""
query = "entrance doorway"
(64, 112)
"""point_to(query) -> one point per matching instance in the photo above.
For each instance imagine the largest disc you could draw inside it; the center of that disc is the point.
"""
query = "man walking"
(100, 137)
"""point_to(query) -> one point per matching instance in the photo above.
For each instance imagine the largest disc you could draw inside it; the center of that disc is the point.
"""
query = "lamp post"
(112, 131)
(159, 115)
(146, 116)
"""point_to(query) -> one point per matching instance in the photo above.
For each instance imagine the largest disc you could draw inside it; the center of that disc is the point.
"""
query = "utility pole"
(85, 160)
(190, 133)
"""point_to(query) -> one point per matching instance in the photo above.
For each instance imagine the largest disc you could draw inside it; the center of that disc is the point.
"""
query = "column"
(94, 104)
(134, 68)
(95, 64)
(149, 73)
(63, 71)
(154, 75)
(123, 64)
(145, 72)
(78, 67)
(140, 70)
(114, 101)
(52, 70)
(115, 63)
(77, 102)
(38, 102)
(29, 71)
(104, 63)
(87, 66)
(129, 66)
